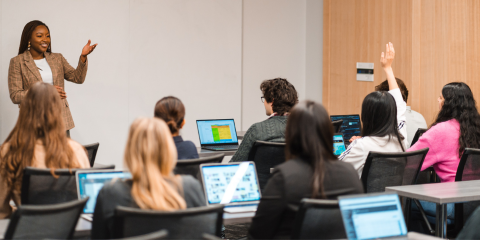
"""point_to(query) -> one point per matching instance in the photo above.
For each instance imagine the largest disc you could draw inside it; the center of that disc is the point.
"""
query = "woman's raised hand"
(387, 58)
(88, 49)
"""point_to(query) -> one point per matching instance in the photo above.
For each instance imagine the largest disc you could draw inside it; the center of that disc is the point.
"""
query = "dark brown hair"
(40, 119)
(309, 137)
(27, 35)
(281, 92)
(403, 89)
(172, 111)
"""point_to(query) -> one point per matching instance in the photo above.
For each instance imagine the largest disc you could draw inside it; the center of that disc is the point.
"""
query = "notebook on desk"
(350, 126)
(89, 184)
(373, 216)
(235, 185)
(217, 134)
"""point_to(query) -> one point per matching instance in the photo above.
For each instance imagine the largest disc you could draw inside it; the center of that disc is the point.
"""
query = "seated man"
(279, 96)
(414, 120)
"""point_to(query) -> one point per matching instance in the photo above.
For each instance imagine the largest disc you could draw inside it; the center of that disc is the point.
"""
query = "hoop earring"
(28, 46)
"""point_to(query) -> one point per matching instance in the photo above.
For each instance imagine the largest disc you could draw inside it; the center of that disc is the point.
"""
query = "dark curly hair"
(281, 92)
(459, 104)
(403, 89)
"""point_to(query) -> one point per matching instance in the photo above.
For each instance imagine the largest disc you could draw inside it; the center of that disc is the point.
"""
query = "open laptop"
(373, 216)
(218, 134)
(89, 184)
(338, 144)
(350, 127)
(234, 184)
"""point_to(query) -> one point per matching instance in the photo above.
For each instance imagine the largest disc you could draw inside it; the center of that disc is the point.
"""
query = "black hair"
(281, 92)
(27, 35)
(379, 116)
(460, 105)
(309, 137)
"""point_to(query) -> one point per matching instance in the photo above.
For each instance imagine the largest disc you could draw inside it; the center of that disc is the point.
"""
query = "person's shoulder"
(189, 144)
(17, 59)
(293, 167)
(189, 182)
(75, 145)
(116, 188)
(445, 126)
(341, 167)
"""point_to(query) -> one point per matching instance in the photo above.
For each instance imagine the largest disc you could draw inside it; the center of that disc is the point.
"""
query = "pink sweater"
(442, 139)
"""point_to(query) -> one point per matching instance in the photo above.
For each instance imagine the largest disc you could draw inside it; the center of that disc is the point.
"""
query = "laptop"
(350, 127)
(218, 134)
(373, 216)
(338, 144)
(89, 184)
(234, 184)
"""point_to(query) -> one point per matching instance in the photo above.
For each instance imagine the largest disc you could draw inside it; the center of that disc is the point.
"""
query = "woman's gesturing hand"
(387, 58)
(60, 91)
(87, 50)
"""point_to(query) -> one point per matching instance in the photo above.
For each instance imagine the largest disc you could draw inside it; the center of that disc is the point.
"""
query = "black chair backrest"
(391, 169)
(318, 219)
(57, 221)
(418, 134)
(468, 169)
(182, 224)
(337, 125)
(40, 187)
(192, 166)
(266, 155)
(162, 234)
(92, 152)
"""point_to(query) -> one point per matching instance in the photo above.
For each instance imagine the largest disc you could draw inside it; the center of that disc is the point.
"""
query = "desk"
(83, 228)
(441, 194)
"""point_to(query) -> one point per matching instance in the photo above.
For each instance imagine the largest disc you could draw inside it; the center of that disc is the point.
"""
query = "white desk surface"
(441, 193)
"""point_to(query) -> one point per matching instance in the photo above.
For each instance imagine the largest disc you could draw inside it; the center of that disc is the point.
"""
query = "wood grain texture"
(436, 42)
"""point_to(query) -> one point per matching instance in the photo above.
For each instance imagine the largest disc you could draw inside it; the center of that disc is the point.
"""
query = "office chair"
(192, 166)
(266, 155)
(92, 152)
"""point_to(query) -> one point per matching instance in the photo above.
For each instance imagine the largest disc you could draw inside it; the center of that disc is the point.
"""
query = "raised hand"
(387, 58)
(88, 49)
(60, 91)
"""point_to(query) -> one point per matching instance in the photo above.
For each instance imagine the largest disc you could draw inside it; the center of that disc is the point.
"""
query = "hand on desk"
(354, 138)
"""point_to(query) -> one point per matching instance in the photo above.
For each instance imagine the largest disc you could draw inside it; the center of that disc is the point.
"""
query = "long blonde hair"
(40, 118)
(151, 156)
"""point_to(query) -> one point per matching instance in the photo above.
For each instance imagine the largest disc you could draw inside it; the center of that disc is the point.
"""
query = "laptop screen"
(371, 217)
(217, 131)
(230, 183)
(338, 144)
(350, 126)
(90, 183)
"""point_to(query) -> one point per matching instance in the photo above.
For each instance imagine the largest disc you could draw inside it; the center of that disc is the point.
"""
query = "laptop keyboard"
(223, 147)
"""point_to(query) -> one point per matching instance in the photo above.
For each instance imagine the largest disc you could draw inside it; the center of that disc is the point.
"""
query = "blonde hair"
(40, 118)
(151, 156)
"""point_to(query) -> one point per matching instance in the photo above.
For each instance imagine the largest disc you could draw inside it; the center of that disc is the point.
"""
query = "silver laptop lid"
(372, 216)
(231, 184)
(217, 132)
(90, 182)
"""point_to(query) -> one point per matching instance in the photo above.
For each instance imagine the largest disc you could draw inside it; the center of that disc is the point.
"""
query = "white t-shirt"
(357, 152)
(45, 70)
(415, 121)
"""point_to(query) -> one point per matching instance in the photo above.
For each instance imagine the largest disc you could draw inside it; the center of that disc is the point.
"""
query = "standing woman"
(36, 63)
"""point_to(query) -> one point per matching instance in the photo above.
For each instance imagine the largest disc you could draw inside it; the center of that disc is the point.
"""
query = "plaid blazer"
(23, 73)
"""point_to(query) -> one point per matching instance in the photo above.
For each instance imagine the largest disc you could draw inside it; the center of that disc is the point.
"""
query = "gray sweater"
(272, 129)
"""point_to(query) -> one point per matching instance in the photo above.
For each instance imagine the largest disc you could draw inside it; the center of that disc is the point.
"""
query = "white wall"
(209, 52)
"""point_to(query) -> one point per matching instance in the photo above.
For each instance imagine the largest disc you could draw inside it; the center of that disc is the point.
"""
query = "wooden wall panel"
(436, 42)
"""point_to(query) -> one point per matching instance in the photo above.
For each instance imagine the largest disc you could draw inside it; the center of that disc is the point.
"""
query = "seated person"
(413, 120)
(38, 140)
(383, 118)
(311, 171)
(150, 156)
(457, 127)
(171, 110)
(279, 96)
